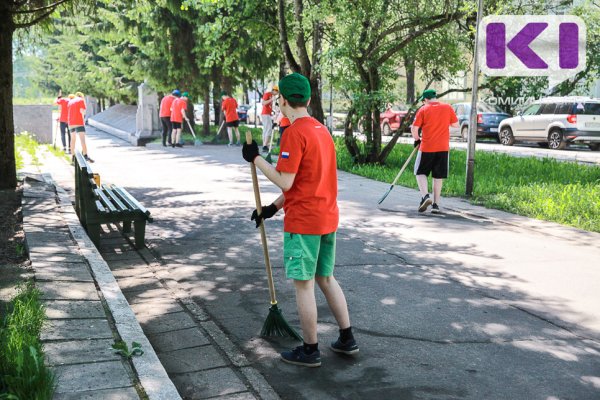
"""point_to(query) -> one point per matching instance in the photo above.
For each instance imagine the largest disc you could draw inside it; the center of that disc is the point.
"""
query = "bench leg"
(93, 231)
(140, 233)
(126, 226)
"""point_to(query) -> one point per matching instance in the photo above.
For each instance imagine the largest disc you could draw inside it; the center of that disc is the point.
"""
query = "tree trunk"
(206, 113)
(216, 81)
(409, 66)
(8, 172)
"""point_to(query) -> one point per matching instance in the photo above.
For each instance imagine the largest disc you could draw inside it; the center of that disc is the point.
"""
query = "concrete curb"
(121, 134)
(152, 375)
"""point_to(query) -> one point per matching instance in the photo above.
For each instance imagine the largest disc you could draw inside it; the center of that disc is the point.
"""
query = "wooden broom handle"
(263, 233)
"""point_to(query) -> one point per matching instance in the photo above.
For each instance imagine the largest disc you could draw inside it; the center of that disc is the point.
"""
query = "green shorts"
(305, 256)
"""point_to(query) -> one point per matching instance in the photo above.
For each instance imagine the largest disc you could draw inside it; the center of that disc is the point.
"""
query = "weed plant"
(23, 374)
(546, 189)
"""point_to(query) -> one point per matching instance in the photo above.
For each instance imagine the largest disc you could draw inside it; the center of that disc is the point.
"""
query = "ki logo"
(532, 45)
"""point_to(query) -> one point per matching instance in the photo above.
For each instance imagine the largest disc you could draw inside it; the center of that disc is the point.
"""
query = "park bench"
(96, 205)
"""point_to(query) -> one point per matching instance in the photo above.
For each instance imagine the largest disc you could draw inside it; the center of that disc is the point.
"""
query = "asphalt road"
(472, 304)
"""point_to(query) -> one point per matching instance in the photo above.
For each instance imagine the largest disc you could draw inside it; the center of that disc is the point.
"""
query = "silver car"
(555, 122)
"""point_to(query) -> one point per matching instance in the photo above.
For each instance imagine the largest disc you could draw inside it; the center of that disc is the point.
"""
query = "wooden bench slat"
(123, 198)
(115, 199)
(125, 194)
(100, 207)
(105, 200)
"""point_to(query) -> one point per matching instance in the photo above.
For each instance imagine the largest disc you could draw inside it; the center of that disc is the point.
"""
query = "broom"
(398, 176)
(275, 324)
(197, 142)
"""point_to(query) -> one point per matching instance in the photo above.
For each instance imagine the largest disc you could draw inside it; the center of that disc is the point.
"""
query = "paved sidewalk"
(474, 303)
(79, 333)
(199, 358)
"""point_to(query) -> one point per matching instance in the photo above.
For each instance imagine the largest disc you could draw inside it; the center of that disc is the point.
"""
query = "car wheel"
(387, 130)
(594, 146)
(464, 133)
(556, 140)
(506, 136)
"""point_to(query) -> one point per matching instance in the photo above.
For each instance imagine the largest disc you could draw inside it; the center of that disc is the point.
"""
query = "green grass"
(23, 374)
(25, 142)
(546, 189)
(25, 101)
(57, 152)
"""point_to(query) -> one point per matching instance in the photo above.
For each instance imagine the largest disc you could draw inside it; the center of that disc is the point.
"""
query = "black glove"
(417, 143)
(267, 212)
(250, 151)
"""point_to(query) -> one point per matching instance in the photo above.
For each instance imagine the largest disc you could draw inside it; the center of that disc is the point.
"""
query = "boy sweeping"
(306, 173)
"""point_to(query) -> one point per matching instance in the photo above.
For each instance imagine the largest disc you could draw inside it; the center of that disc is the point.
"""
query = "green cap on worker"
(428, 94)
(223, 93)
(185, 94)
(295, 87)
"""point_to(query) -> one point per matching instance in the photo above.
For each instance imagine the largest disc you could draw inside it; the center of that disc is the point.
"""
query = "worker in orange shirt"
(63, 119)
(178, 114)
(165, 116)
(232, 121)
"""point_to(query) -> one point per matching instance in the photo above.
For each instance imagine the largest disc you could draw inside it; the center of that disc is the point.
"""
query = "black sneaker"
(435, 209)
(297, 356)
(350, 347)
(425, 202)
(265, 149)
(87, 158)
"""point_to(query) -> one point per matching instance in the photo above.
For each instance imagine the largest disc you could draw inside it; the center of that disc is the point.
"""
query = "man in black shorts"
(434, 120)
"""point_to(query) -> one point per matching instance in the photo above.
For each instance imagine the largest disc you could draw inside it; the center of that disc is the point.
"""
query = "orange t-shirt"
(310, 205)
(434, 119)
(178, 105)
(267, 109)
(75, 105)
(64, 112)
(165, 106)
(284, 122)
(229, 106)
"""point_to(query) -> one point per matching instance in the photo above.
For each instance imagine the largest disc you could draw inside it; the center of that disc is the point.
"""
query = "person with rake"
(178, 114)
(434, 120)
(232, 120)
(63, 119)
(306, 173)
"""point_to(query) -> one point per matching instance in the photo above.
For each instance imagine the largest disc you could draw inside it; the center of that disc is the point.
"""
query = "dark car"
(488, 119)
(242, 111)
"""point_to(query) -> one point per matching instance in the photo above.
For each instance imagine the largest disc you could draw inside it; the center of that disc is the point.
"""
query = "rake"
(275, 324)
(398, 176)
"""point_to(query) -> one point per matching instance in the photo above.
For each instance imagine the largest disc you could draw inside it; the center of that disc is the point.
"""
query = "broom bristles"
(276, 325)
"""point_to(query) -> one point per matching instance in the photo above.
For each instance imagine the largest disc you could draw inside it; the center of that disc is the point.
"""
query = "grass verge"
(546, 189)
(25, 142)
(23, 374)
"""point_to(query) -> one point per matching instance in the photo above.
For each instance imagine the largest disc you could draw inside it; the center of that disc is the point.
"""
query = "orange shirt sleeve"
(419, 118)
(290, 153)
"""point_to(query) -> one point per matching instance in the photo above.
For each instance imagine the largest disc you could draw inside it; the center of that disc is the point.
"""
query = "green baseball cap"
(185, 94)
(223, 93)
(295, 87)
(428, 94)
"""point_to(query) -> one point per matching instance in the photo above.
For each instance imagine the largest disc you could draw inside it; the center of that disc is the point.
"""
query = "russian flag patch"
(285, 154)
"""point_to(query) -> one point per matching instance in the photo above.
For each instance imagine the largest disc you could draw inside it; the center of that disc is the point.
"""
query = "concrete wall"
(36, 120)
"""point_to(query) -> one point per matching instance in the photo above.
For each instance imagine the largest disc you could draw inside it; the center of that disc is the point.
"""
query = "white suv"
(555, 122)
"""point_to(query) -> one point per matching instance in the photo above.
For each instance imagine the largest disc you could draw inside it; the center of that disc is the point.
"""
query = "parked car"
(555, 122)
(391, 118)
(199, 111)
(489, 118)
(254, 110)
(242, 111)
